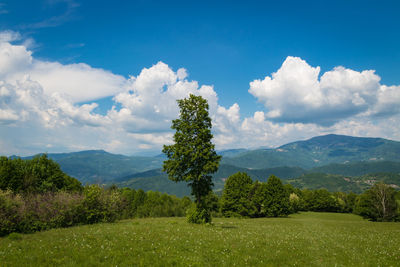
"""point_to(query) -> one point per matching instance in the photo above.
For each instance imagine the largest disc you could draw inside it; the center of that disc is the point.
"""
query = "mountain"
(319, 151)
(231, 152)
(99, 166)
(335, 182)
(348, 177)
(156, 180)
(336, 155)
(359, 168)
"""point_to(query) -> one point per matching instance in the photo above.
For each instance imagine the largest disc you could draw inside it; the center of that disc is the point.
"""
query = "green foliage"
(378, 203)
(242, 198)
(276, 201)
(15, 236)
(235, 199)
(192, 157)
(257, 196)
(10, 205)
(37, 175)
(320, 200)
(36, 212)
(295, 203)
(198, 214)
(212, 203)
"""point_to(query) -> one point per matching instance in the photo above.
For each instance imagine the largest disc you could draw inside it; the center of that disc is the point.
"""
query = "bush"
(198, 215)
(101, 205)
(35, 212)
(27, 214)
(10, 212)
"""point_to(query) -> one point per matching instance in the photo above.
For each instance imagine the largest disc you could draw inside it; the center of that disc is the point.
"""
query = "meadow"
(304, 239)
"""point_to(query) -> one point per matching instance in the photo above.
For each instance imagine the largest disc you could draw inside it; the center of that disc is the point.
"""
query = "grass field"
(306, 239)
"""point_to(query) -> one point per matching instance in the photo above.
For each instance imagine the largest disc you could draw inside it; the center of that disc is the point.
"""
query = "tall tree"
(192, 157)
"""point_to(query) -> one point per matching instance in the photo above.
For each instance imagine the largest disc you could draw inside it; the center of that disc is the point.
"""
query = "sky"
(79, 75)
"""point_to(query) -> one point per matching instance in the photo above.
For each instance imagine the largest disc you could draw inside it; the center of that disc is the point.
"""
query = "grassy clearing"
(307, 239)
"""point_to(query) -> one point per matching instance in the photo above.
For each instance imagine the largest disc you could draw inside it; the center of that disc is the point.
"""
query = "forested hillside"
(320, 162)
(319, 151)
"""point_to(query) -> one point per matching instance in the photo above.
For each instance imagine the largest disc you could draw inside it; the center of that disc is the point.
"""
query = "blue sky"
(228, 47)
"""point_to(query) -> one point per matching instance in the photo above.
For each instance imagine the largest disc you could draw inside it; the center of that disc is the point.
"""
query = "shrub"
(198, 215)
(35, 212)
(27, 214)
(10, 214)
(100, 205)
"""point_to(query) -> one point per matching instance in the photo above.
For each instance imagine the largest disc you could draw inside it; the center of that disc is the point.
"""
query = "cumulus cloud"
(79, 81)
(295, 93)
(149, 103)
(45, 96)
(41, 110)
(388, 101)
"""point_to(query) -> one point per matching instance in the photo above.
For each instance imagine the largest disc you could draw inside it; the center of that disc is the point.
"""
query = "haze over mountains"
(296, 162)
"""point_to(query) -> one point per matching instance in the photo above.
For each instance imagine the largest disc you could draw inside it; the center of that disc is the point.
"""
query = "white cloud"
(40, 106)
(14, 60)
(9, 36)
(388, 101)
(44, 97)
(79, 81)
(149, 103)
(295, 93)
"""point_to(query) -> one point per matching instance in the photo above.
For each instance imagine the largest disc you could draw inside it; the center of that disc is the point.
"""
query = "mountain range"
(323, 161)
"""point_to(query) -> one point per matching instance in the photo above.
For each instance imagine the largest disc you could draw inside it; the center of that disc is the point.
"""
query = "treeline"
(37, 175)
(36, 195)
(242, 197)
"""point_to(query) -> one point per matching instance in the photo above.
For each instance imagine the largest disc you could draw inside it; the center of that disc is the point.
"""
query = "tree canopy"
(192, 157)
(235, 197)
(37, 175)
(378, 203)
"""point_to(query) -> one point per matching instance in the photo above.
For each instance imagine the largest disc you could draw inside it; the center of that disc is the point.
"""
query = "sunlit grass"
(307, 239)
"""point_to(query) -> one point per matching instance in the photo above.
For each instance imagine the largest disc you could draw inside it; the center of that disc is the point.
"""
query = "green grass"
(306, 239)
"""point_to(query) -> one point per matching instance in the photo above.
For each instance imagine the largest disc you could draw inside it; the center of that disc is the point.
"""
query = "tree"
(323, 200)
(235, 197)
(192, 157)
(37, 175)
(378, 203)
(276, 201)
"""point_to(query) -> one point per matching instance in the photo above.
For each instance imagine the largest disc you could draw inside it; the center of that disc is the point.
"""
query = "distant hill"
(329, 154)
(99, 166)
(319, 151)
(334, 182)
(231, 152)
(156, 180)
(359, 168)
